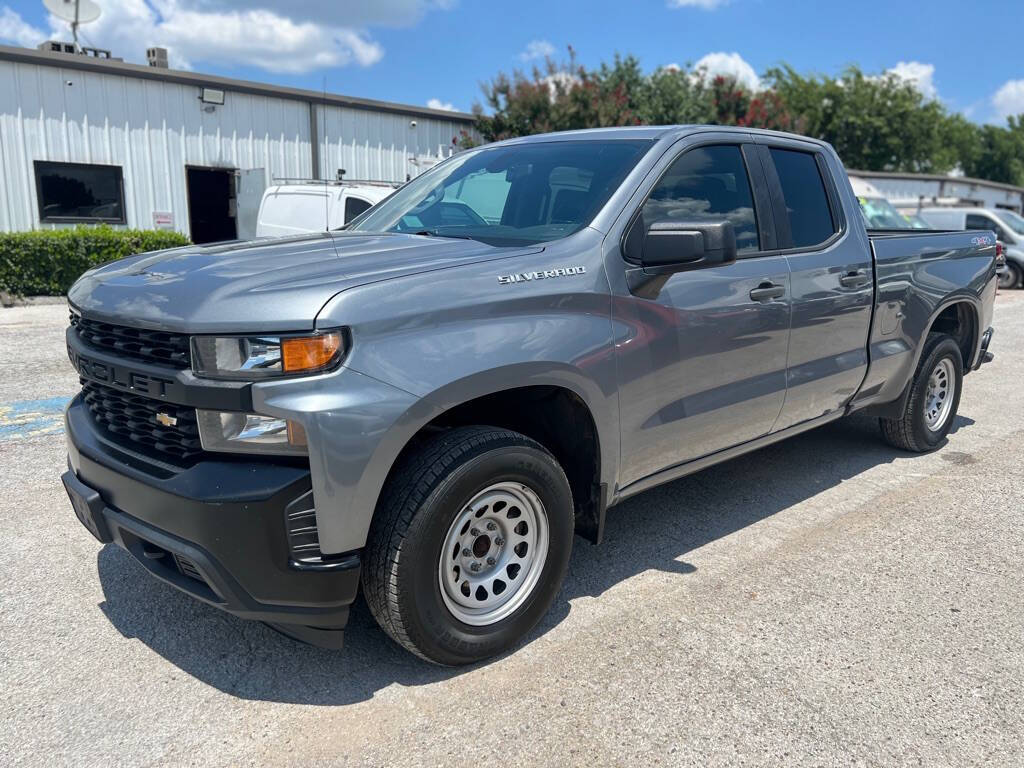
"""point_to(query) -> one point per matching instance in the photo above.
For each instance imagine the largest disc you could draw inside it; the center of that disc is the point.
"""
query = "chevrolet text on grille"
(522, 277)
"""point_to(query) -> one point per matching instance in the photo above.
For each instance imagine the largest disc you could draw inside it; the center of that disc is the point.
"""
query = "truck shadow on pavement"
(654, 530)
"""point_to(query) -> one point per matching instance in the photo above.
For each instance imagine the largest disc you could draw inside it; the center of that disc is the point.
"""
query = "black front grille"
(150, 426)
(171, 349)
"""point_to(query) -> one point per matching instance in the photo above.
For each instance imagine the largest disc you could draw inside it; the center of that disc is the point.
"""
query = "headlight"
(250, 433)
(261, 357)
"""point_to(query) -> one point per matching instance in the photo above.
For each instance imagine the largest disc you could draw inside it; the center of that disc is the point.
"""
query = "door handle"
(855, 279)
(767, 291)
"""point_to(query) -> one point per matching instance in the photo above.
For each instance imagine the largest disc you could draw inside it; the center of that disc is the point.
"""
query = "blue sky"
(416, 51)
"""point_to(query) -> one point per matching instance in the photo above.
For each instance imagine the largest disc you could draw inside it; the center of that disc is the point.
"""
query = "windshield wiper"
(435, 233)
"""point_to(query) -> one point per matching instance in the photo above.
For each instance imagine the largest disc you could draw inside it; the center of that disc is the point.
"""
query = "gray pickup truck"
(433, 401)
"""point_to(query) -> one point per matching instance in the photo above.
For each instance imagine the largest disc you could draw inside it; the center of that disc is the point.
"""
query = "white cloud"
(673, 67)
(917, 74)
(447, 106)
(706, 5)
(1009, 99)
(729, 64)
(537, 49)
(291, 37)
(13, 29)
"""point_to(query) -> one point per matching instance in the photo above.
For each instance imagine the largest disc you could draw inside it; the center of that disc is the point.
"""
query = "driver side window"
(707, 184)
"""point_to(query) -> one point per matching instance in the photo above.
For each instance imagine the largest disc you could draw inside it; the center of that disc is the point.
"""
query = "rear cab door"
(831, 275)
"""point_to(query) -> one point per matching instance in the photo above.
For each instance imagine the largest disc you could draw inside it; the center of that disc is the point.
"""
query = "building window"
(72, 192)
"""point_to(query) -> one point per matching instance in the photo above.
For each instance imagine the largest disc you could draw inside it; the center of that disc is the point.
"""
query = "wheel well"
(555, 417)
(959, 321)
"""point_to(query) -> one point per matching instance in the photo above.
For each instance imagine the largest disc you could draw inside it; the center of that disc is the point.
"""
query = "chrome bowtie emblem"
(165, 419)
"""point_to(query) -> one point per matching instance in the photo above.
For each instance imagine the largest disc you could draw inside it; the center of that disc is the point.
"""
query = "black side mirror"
(673, 246)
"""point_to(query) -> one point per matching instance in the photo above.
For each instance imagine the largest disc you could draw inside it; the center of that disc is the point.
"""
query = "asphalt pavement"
(824, 601)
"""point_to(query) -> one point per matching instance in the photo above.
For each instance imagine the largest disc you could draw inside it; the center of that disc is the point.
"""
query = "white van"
(316, 206)
(1008, 226)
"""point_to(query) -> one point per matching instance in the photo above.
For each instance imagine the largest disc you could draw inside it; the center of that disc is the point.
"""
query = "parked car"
(1007, 225)
(878, 212)
(431, 402)
(316, 206)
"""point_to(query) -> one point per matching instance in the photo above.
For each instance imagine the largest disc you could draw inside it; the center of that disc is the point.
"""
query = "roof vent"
(157, 57)
(59, 46)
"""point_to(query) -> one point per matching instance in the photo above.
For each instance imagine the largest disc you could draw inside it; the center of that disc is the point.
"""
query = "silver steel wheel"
(938, 399)
(493, 554)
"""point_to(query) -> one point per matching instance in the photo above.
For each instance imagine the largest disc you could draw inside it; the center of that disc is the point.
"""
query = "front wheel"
(469, 544)
(934, 398)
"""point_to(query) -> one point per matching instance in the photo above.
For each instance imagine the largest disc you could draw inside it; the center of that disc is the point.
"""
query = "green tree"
(876, 123)
(996, 153)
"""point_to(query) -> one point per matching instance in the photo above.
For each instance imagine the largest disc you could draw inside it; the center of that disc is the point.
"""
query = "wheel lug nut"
(499, 541)
(474, 567)
(466, 552)
(474, 531)
(490, 561)
(491, 526)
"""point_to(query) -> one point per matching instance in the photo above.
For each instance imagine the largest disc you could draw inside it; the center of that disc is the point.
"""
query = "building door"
(212, 208)
(251, 184)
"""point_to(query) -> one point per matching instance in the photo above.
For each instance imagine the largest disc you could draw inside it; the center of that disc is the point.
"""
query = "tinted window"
(976, 221)
(79, 192)
(510, 195)
(810, 218)
(353, 207)
(706, 184)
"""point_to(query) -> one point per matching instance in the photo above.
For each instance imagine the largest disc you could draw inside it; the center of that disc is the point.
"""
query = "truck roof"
(651, 132)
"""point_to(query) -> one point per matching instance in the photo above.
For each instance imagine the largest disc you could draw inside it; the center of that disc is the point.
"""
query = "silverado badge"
(522, 277)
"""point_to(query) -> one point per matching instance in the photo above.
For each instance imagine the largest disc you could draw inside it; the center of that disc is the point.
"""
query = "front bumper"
(215, 530)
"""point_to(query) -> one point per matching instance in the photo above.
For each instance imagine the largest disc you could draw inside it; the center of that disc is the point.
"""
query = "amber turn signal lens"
(309, 353)
(296, 433)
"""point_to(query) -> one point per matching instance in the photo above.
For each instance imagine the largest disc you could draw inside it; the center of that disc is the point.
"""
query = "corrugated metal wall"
(154, 129)
(379, 145)
(909, 192)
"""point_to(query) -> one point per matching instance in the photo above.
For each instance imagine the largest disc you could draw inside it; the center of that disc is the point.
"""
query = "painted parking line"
(31, 418)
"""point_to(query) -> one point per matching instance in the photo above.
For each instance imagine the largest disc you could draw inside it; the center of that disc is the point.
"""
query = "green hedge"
(47, 262)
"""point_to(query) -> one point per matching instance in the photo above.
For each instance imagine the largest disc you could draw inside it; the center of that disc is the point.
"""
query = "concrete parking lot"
(825, 601)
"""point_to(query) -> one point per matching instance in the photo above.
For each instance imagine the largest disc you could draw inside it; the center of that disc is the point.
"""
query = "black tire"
(1011, 278)
(911, 431)
(418, 506)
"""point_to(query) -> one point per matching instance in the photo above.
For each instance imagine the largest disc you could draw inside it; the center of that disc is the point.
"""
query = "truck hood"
(277, 284)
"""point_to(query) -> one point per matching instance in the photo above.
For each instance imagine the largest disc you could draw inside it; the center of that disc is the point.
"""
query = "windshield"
(881, 214)
(512, 195)
(1013, 220)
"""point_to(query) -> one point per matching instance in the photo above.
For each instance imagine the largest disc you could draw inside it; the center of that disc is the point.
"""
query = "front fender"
(425, 343)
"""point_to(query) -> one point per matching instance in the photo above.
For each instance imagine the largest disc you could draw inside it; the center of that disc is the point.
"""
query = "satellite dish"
(75, 11)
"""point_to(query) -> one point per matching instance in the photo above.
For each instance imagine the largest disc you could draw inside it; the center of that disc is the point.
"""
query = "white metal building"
(910, 191)
(87, 140)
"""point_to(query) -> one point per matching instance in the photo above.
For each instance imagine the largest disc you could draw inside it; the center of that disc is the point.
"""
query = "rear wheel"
(1011, 276)
(934, 398)
(469, 545)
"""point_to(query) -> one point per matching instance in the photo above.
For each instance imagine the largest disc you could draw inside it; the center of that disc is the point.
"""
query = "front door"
(702, 358)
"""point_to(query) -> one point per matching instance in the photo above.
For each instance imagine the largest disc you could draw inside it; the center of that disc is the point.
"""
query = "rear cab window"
(808, 213)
